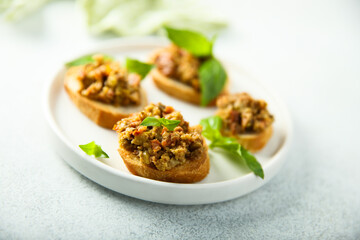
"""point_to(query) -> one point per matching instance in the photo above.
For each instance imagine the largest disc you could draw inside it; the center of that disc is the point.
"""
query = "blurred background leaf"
(15, 10)
(130, 17)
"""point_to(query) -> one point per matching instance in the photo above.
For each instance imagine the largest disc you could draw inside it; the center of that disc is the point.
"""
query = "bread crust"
(104, 115)
(180, 90)
(253, 142)
(191, 171)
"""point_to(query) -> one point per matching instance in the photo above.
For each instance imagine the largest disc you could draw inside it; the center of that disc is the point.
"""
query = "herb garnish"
(93, 149)
(153, 121)
(85, 60)
(211, 72)
(132, 65)
(212, 80)
(141, 68)
(211, 130)
(196, 43)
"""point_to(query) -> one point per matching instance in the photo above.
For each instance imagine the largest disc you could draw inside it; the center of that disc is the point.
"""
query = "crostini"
(104, 91)
(187, 70)
(176, 73)
(161, 152)
(245, 119)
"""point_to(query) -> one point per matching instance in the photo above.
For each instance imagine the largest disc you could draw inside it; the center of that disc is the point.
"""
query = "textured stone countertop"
(308, 51)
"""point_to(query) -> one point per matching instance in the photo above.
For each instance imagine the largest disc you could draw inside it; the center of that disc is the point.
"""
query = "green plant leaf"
(212, 80)
(196, 43)
(135, 66)
(85, 60)
(93, 149)
(153, 121)
(211, 131)
(251, 162)
(169, 124)
(211, 127)
(226, 143)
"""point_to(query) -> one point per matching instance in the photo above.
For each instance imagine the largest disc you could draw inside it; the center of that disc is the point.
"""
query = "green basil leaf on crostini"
(85, 60)
(136, 66)
(93, 149)
(196, 43)
(212, 80)
(151, 121)
(211, 131)
(169, 124)
(157, 122)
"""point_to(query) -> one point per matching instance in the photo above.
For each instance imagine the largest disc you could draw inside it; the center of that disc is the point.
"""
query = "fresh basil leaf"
(135, 66)
(212, 80)
(232, 146)
(229, 144)
(211, 127)
(151, 121)
(196, 43)
(215, 122)
(93, 149)
(168, 123)
(211, 131)
(251, 162)
(85, 60)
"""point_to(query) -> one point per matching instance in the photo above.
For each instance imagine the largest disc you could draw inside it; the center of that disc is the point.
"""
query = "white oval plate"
(226, 180)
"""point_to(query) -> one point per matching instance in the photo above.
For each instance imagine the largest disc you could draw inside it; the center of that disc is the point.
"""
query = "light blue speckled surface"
(308, 51)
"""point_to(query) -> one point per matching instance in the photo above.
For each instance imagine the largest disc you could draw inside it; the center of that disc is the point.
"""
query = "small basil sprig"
(211, 73)
(158, 122)
(93, 149)
(211, 130)
(135, 66)
(85, 60)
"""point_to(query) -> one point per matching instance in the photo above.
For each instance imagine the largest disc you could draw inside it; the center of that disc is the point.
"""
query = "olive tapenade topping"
(243, 114)
(156, 146)
(178, 64)
(106, 81)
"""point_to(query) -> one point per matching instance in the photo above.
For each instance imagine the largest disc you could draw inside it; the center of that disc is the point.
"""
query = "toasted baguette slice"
(191, 171)
(253, 142)
(105, 115)
(179, 90)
